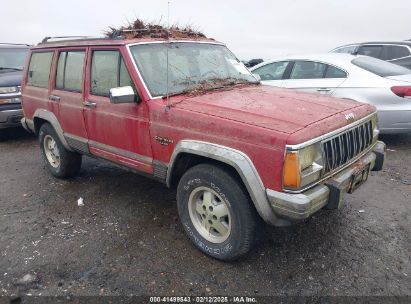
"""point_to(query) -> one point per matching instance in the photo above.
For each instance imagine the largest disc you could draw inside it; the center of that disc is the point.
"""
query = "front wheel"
(216, 212)
(60, 162)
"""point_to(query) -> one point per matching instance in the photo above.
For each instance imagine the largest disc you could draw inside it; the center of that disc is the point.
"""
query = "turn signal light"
(402, 91)
(292, 178)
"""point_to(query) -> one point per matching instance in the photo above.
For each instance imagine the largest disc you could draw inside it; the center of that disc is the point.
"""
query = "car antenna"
(168, 45)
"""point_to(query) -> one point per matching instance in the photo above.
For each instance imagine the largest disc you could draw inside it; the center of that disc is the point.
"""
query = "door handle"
(54, 98)
(89, 104)
(323, 90)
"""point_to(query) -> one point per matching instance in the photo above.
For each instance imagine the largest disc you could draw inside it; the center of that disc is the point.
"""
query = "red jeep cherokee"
(189, 114)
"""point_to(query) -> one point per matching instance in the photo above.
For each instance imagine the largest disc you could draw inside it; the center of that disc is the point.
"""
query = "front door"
(118, 132)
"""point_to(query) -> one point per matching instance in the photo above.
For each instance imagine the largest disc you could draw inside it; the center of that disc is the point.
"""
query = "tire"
(206, 193)
(60, 162)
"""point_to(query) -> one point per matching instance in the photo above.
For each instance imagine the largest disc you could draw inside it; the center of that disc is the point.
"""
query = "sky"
(251, 29)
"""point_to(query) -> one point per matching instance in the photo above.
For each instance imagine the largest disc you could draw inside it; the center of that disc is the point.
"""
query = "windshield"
(190, 65)
(380, 67)
(12, 58)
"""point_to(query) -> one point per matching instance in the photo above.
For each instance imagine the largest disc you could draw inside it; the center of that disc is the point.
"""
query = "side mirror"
(123, 95)
(257, 77)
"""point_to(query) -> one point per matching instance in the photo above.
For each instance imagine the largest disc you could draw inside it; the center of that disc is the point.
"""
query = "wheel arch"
(188, 153)
(42, 116)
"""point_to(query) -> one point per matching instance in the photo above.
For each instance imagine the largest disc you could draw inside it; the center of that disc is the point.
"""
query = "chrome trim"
(239, 161)
(262, 64)
(121, 152)
(10, 95)
(328, 135)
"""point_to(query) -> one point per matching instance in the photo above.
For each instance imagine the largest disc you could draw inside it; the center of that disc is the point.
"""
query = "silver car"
(360, 78)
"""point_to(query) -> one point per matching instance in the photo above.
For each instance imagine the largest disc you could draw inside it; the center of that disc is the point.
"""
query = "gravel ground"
(127, 240)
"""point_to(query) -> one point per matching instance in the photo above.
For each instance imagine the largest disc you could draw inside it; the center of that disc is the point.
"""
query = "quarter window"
(391, 52)
(272, 71)
(39, 69)
(308, 70)
(108, 71)
(70, 71)
(333, 72)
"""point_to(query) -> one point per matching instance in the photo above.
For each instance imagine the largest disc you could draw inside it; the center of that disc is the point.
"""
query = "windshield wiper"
(211, 85)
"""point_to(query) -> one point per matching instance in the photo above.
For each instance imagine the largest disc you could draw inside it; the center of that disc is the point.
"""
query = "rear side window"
(39, 69)
(380, 67)
(391, 52)
(108, 71)
(272, 71)
(333, 72)
(308, 70)
(370, 50)
(70, 71)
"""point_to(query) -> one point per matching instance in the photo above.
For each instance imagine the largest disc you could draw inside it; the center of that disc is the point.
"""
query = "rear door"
(316, 77)
(118, 132)
(272, 73)
(67, 91)
(36, 83)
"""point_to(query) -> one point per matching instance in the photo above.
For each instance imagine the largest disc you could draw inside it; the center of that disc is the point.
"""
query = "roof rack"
(46, 39)
(5, 43)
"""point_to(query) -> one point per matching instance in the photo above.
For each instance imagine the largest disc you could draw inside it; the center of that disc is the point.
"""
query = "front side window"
(70, 71)
(346, 49)
(308, 70)
(190, 66)
(370, 50)
(39, 69)
(272, 71)
(108, 71)
(380, 67)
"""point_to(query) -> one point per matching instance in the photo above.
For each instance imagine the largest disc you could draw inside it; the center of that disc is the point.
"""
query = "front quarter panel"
(262, 146)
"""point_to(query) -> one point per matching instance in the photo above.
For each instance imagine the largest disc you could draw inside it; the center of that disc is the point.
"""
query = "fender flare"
(237, 160)
(52, 119)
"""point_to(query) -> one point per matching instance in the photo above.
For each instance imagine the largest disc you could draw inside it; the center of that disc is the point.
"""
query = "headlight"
(302, 167)
(8, 90)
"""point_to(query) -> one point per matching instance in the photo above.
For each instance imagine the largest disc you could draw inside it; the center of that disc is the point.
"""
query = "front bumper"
(328, 194)
(10, 118)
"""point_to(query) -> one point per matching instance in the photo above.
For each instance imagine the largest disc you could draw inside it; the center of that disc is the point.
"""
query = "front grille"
(340, 149)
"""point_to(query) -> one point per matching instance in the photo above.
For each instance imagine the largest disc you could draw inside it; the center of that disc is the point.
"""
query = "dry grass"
(142, 29)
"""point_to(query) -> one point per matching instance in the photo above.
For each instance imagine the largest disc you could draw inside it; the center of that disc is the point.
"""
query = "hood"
(403, 78)
(268, 107)
(10, 78)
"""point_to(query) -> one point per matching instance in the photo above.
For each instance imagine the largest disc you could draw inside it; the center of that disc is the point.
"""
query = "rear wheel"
(216, 212)
(60, 162)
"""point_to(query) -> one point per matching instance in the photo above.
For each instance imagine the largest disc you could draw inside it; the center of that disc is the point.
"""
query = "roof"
(117, 41)
(405, 42)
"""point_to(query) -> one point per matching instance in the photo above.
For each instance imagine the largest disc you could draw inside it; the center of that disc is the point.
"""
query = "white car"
(360, 78)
